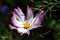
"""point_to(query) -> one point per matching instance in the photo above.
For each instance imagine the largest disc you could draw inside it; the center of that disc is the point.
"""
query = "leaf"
(57, 27)
(45, 1)
(57, 35)
(52, 23)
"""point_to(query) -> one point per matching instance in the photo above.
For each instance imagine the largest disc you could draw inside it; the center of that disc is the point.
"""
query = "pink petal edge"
(18, 8)
(28, 32)
(11, 27)
(41, 15)
(30, 9)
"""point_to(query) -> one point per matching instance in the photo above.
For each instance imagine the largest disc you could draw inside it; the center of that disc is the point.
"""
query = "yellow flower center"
(26, 25)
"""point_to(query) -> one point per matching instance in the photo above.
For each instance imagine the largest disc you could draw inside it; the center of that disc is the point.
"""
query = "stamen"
(26, 25)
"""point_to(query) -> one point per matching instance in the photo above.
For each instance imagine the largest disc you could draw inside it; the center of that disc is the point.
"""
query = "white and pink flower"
(24, 24)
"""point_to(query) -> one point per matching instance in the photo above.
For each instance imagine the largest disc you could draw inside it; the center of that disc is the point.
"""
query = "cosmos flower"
(3, 9)
(23, 24)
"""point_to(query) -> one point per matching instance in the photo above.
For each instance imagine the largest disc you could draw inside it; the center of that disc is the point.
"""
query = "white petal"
(30, 14)
(35, 23)
(20, 13)
(16, 16)
(22, 30)
(35, 26)
(16, 22)
(35, 20)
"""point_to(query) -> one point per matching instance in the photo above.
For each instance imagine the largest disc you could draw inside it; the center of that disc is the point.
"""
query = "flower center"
(26, 25)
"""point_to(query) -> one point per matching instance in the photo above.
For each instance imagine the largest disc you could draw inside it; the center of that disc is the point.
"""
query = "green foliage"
(49, 6)
(57, 27)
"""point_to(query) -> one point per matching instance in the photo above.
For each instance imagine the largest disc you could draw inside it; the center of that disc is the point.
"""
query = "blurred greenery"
(51, 23)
